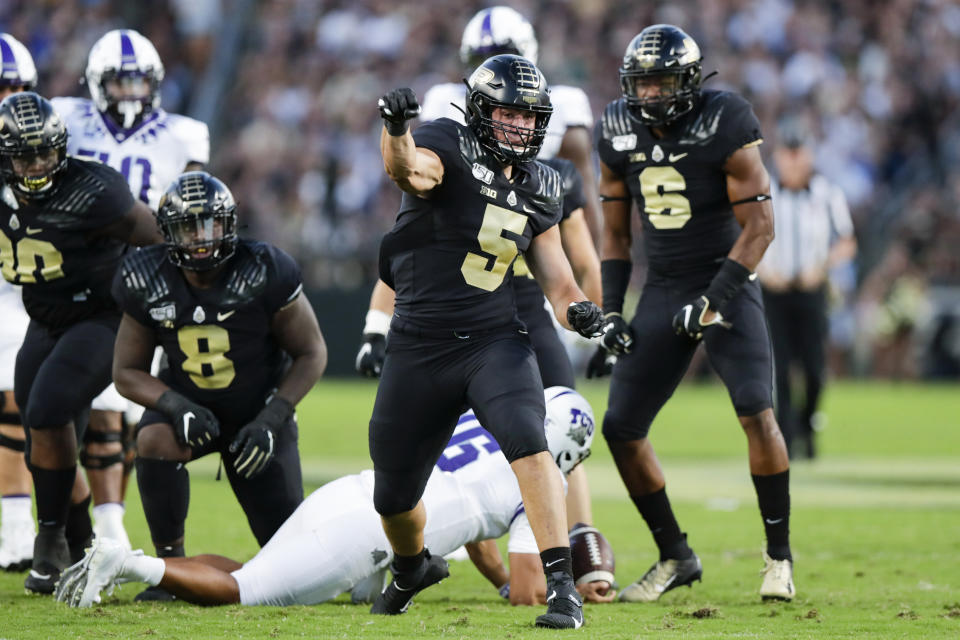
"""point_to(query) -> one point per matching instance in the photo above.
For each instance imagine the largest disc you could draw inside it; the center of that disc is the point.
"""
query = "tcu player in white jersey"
(123, 126)
(17, 529)
(334, 543)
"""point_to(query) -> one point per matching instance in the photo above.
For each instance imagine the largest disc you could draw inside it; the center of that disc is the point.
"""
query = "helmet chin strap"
(129, 109)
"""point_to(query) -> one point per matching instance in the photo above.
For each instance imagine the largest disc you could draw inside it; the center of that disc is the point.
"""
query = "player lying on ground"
(334, 542)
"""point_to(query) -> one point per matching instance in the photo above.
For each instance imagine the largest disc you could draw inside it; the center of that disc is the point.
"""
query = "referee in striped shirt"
(813, 233)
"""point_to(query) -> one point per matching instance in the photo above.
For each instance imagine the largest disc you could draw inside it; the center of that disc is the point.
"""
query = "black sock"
(557, 560)
(79, 527)
(53, 488)
(408, 570)
(165, 494)
(773, 495)
(655, 509)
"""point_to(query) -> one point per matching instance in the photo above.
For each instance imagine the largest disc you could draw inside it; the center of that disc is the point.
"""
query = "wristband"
(377, 322)
(614, 277)
(726, 283)
(276, 413)
(397, 129)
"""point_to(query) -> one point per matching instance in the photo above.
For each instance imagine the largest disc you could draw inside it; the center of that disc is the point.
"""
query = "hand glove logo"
(187, 417)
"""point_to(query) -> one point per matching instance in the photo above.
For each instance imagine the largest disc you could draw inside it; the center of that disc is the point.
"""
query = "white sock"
(144, 569)
(16, 509)
(108, 522)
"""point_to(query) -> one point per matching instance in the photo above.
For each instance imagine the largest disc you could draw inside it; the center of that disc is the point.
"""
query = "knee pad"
(395, 493)
(20, 446)
(617, 429)
(751, 398)
(100, 461)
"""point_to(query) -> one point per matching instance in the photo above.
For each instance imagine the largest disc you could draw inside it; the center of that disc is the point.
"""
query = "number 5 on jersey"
(477, 269)
(205, 347)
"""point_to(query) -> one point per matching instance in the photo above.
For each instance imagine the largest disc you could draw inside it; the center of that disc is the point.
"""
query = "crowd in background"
(296, 131)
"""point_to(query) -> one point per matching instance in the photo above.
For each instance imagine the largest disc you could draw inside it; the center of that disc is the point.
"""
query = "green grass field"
(876, 534)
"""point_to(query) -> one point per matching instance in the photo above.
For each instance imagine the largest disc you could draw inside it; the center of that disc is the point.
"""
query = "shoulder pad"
(706, 122)
(141, 273)
(82, 183)
(616, 120)
(470, 148)
(248, 274)
(550, 185)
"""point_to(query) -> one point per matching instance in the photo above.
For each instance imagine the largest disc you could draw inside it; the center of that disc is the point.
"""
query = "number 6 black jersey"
(55, 247)
(218, 341)
(448, 256)
(678, 181)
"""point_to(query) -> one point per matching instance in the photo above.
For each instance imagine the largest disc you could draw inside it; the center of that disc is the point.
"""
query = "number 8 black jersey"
(678, 181)
(448, 256)
(218, 341)
(55, 247)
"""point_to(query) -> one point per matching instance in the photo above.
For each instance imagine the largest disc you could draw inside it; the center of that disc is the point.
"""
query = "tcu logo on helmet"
(581, 426)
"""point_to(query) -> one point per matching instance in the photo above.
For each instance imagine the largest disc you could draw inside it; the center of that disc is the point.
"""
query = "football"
(592, 555)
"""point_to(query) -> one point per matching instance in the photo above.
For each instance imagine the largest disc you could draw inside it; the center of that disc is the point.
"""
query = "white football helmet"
(18, 69)
(494, 31)
(569, 427)
(130, 62)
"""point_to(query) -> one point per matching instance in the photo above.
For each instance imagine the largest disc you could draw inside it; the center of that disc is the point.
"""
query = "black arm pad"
(614, 276)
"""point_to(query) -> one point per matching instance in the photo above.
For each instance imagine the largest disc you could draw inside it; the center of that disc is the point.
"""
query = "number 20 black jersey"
(678, 181)
(55, 247)
(449, 255)
(218, 341)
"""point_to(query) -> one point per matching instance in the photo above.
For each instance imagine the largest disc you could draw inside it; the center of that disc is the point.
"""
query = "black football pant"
(798, 325)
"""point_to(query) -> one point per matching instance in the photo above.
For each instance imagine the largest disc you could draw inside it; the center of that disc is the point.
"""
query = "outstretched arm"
(550, 267)
(415, 170)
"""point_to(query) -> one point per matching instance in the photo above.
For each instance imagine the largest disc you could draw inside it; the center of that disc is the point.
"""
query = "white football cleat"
(663, 576)
(80, 585)
(777, 579)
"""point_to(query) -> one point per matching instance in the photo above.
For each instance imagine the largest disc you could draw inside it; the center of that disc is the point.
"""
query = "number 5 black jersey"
(448, 256)
(221, 351)
(678, 181)
(56, 249)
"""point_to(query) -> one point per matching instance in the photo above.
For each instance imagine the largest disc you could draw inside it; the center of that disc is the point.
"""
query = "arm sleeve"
(739, 125)
(840, 220)
(285, 281)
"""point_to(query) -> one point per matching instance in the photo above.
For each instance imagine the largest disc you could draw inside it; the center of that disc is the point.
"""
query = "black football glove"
(586, 318)
(396, 108)
(617, 334)
(689, 321)
(258, 438)
(601, 363)
(193, 424)
(370, 357)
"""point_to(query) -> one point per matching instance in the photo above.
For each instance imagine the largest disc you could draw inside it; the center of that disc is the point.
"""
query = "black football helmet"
(664, 55)
(198, 217)
(511, 82)
(33, 144)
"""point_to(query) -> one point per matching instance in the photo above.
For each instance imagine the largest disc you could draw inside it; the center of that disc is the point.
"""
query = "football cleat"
(16, 545)
(50, 556)
(662, 577)
(80, 584)
(777, 579)
(564, 605)
(154, 594)
(394, 600)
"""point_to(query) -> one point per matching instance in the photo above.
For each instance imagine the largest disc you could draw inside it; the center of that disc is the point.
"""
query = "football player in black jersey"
(689, 159)
(243, 347)
(552, 359)
(474, 197)
(64, 226)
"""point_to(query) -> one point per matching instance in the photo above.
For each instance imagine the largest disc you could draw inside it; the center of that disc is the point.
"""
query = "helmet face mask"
(123, 76)
(33, 144)
(198, 218)
(660, 75)
(569, 427)
(494, 31)
(500, 92)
